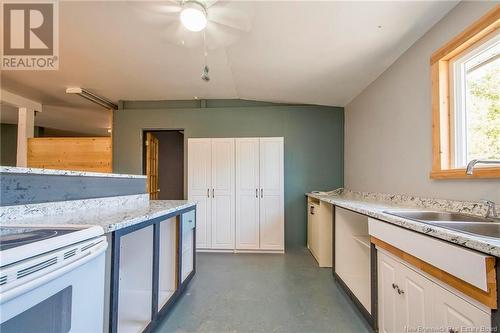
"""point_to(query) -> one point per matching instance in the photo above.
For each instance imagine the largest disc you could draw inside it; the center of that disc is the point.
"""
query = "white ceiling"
(294, 52)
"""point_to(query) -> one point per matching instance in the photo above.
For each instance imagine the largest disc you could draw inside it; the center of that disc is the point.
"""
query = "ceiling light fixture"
(193, 16)
(105, 103)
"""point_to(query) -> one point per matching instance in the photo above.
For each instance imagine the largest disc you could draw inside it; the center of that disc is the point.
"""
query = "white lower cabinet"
(319, 231)
(410, 302)
(453, 311)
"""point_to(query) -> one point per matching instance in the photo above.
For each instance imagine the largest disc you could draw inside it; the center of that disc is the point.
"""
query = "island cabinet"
(151, 264)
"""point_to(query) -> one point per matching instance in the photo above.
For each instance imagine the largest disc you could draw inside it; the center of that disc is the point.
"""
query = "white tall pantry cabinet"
(211, 183)
(239, 186)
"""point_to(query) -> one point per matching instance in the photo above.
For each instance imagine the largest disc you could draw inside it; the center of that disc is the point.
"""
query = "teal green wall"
(8, 144)
(314, 141)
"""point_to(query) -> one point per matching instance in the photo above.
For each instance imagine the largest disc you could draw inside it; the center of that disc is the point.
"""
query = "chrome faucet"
(492, 209)
(472, 164)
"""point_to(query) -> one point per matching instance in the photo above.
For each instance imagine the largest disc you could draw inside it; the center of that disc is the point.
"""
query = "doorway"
(163, 163)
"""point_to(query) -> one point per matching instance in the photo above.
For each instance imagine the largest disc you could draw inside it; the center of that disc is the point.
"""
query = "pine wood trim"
(71, 153)
(479, 173)
(479, 29)
(441, 108)
(488, 298)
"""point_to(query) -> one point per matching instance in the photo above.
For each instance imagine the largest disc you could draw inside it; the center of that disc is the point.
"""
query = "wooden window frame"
(441, 106)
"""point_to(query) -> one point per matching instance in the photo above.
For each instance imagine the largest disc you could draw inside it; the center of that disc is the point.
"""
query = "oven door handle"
(24, 288)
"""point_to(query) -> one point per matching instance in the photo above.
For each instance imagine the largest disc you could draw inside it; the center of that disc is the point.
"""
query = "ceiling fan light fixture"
(193, 16)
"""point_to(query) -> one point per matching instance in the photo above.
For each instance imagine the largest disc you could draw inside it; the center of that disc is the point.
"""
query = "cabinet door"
(271, 198)
(387, 295)
(313, 211)
(199, 185)
(310, 216)
(247, 193)
(453, 311)
(222, 194)
(416, 296)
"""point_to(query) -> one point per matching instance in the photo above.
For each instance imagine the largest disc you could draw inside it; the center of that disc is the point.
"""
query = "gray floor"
(262, 293)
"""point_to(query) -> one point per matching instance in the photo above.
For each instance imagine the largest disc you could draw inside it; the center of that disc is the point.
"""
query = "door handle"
(261, 192)
(208, 193)
(213, 193)
(256, 192)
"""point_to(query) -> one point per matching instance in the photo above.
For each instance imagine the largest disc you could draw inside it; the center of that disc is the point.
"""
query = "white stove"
(52, 278)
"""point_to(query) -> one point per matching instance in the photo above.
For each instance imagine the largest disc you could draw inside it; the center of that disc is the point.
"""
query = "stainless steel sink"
(474, 225)
(437, 216)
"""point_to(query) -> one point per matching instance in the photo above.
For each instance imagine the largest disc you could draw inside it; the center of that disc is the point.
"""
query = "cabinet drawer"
(188, 221)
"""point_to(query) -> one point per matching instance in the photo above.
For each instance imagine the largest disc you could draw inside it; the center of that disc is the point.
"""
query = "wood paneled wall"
(82, 154)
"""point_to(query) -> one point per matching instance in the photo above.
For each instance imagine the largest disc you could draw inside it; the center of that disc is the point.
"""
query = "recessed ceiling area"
(291, 52)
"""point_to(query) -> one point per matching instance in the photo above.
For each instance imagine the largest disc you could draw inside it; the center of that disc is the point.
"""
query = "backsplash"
(411, 201)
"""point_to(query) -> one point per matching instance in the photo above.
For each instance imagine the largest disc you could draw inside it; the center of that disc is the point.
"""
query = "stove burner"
(14, 237)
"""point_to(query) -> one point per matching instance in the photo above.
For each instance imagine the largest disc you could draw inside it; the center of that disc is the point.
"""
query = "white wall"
(388, 143)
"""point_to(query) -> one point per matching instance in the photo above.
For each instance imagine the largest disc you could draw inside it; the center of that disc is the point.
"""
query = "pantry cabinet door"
(271, 194)
(416, 295)
(453, 311)
(247, 193)
(388, 298)
(199, 187)
(222, 193)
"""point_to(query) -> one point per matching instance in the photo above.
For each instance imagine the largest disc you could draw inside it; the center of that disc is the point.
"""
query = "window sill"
(492, 172)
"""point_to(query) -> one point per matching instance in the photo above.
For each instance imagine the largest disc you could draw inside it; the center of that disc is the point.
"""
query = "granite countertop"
(374, 205)
(54, 172)
(95, 213)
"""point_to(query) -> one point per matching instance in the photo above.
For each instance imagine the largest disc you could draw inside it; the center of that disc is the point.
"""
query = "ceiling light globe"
(194, 18)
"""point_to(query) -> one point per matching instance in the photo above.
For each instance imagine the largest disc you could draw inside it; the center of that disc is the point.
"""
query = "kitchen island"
(150, 259)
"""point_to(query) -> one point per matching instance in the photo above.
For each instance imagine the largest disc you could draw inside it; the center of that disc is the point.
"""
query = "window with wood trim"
(466, 100)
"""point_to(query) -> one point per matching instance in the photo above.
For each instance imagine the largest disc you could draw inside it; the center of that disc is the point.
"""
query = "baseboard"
(215, 250)
(260, 251)
(240, 251)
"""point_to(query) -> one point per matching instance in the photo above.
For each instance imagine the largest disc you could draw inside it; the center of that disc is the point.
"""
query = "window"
(466, 100)
(475, 89)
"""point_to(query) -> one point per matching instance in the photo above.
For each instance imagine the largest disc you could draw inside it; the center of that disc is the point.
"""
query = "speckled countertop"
(374, 205)
(53, 172)
(109, 213)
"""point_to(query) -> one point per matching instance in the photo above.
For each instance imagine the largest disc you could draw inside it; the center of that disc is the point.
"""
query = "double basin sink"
(473, 225)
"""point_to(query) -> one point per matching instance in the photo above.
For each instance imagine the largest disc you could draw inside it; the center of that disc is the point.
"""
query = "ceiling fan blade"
(218, 35)
(156, 12)
(236, 15)
(209, 3)
(177, 35)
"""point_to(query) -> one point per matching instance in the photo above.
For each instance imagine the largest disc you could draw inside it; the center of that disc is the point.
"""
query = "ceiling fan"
(191, 22)
(208, 23)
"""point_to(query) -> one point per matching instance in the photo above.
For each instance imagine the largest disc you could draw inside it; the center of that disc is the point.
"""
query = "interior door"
(247, 193)
(387, 295)
(222, 194)
(199, 188)
(152, 165)
(271, 194)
